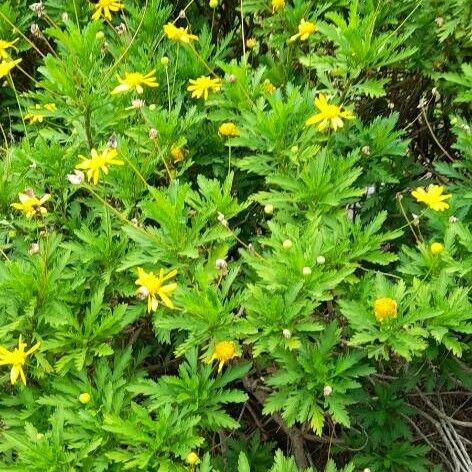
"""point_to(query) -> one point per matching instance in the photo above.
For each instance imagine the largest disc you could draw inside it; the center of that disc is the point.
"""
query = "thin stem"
(407, 220)
(12, 84)
(168, 86)
(88, 128)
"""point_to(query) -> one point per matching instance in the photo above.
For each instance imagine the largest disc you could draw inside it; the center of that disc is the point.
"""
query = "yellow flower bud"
(84, 398)
(164, 61)
(269, 209)
(436, 248)
(100, 35)
(192, 458)
(306, 271)
(213, 3)
(287, 244)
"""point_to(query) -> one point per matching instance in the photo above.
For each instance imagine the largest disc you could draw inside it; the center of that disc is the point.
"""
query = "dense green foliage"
(257, 280)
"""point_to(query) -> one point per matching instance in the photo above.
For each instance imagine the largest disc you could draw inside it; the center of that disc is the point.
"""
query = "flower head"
(436, 248)
(329, 116)
(4, 45)
(177, 152)
(7, 66)
(269, 87)
(192, 458)
(84, 398)
(175, 33)
(228, 129)
(105, 7)
(97, 163)
(277, 5)
(35, 115)
(251, 43)
(135, 81)
(201, 86)
(17, 359)
(223, 352)
(30, 205)
(432, 197)
(305, 30)
(152, 285)
(385, 308)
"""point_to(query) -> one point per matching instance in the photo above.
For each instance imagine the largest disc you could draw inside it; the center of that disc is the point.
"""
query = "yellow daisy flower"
(30, 205)
(277, 5)
(385, 308)
(4, 45)
(17, 359)
(177, 153)
(179, 34)
(305, 30)
(223, 352)
(152, 285)
(228, 129)
(329, 116)
(135, 81)
(432, 197)
(7, 66)
(97, 163)
(105, 7)
(201, 86)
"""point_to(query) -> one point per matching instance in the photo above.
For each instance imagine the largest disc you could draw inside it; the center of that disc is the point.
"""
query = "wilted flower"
(287, 334)
(153, 133)
(34, 249)
(327, 390)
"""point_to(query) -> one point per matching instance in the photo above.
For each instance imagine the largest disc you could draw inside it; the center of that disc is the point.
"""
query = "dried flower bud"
(29, 191)
(35, 30)
(153, 133)
(182, 14)
(287, 333)
(37, 8)
(65, 17)
(327, 390)
(142, 293)
(452, 219)
(137, 103)
(34, 249)
(439, 21)
(221, 218)
(121, 29)
(76, 178)
(232, 78)
(134, 221)
(365, 150)
(391, 105)
(221, 264)
(112, 142)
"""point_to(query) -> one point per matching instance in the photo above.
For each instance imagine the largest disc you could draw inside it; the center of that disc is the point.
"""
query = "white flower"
(76, 178)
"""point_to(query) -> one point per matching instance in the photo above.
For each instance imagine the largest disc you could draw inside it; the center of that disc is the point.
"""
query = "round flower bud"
(142, 293)
(65, 17)
(39, 435)
(436, 248)
(164, 61)
(221, 264)
(366, 470)
(269, 209)
(84, 398)
(152, 106)
(287, 244)
(452, 219)
(99, 35)
(327, 390)
(294, 149)
(192, 458)
(306, 271)
(287, 333)
(232, 79)
(320, 260)
(365, 150)
(213, 3)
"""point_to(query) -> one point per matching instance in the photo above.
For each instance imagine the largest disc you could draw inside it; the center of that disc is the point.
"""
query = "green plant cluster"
(235, 235)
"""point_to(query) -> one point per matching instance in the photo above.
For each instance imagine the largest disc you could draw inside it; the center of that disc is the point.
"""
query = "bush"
(235, 235)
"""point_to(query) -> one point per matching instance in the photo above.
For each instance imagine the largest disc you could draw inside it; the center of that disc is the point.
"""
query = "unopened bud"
(287, 333)
(365, 150)
(84, 398)
(164, 61)
(213, 3)
(99, 35)
(221, 264)
(320, 260)
(269, 209)
(306, 271)
(287, 244)
(232, 78)
(65, 17)
(34, 249)
(153, 133)
(294, 149)
(327, 390)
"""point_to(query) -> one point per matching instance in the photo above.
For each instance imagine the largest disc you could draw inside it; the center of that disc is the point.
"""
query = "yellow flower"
(223, 352)
(228, 129)
(17, 359)
(34, 117)
(177, 153)
(385, 308)
(7, 66)
(329, 115)
(277, 5)
(269, 87)
(192, 458)
(98, 162)
(436, 248)
(30, 205)
(50, 107)
(84, 398)
(305, 30)
(4, 45)
(179, 34)
(201, 86)
(105, 7)
(135, 80)
(152, 285)
(432, 197)
(251, 43)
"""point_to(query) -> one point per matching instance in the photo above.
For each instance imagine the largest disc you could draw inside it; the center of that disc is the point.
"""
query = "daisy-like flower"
(7, 66)
(152, 285)
(105, 7)
(436, 248)
(97, 163)
(269, 87)
(31, 205)
(17, 359)
(201, 86)
(192, 458)
(305, 30)
(329, 116)
(432, 197)
(223, 352)
(277, 5)
(175, 33)
(135, 81)
(4, 45)
(177, 152)
(34, 116)
(251, 43)
(228, 129)
(385, 308)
